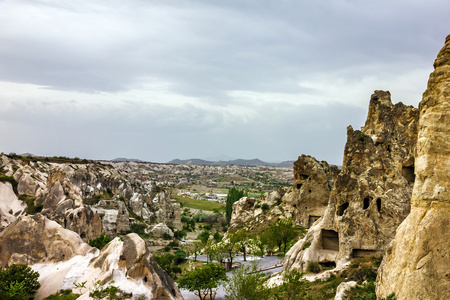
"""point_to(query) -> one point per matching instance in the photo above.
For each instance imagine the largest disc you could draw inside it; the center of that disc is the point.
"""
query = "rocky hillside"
(370, 196)
(305, 202)
(417, 264)
(87, 198)
(63, 260)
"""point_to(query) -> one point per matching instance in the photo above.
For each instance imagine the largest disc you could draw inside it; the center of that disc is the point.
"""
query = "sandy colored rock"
(416, 266)
(370, 196)
(35, 239)
(304, 203)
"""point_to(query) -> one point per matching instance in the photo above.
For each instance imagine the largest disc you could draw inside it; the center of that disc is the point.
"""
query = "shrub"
(166, 236)
(31, 207)
(18, 282)
(265, 206)
(180, 256)
(63, 295)
(100, 241)
(313, 267)
(179, 234)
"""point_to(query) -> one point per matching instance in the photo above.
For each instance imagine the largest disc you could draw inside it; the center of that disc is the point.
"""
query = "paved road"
(263, 263)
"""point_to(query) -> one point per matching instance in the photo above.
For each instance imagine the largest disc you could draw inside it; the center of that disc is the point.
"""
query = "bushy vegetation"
(204, 278)
(170, 262)
(100, 241)
(18, 282)
(313, 267)
(247, 283)
(31, 207)
(10, 179)
(63, 295)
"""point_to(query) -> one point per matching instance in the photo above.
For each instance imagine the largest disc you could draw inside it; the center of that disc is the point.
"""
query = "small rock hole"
(341, 209)
(379, 205)
(366, 203)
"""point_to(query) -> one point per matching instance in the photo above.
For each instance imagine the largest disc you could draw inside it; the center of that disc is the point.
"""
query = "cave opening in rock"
(365, 253)
(145, 279)
(408, 173)
(330, 240)
(366, 203)
(327, 265)
(299, 185)
(379, 205)
(341, 209)
(312, 219)
(304, 177)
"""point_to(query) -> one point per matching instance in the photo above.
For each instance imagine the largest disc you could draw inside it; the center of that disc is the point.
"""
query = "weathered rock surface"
(304, 203)
(370, 197)
(133, 269)
(63, 259)
(70, 195)
(159, 229)
(417, 264)
(313, 181)
(36, 239)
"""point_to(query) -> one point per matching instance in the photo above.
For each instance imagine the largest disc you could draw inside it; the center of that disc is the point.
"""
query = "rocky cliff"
(370, 197)
(416, 266)
(63, 259)
(87, 198)
(305, 202)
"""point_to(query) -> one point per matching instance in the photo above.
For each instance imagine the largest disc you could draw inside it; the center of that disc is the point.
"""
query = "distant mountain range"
(235, 162)
(120, 159)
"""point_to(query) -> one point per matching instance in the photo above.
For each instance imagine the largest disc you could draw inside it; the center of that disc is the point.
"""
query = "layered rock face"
(370, 197)
(417, 264)
(304, 203)
(36, 239)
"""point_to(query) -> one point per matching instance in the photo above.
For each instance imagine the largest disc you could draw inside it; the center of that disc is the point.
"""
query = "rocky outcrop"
(71, 195)
(416, 266)
(63, 259)
(313, 181)
(132, 268)
(370, 197)
(36, 239)
(304, 203)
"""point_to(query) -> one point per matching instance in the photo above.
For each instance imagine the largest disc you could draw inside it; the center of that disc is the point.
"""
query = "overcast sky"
(158, 80)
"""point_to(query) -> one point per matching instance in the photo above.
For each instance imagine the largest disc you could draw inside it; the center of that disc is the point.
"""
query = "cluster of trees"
(278, 236)
(18, 282)
(246, 282)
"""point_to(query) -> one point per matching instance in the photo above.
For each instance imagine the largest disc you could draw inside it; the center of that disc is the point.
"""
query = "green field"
(200, 204)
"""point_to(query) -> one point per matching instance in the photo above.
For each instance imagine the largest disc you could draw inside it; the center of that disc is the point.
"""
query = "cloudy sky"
(158, 80)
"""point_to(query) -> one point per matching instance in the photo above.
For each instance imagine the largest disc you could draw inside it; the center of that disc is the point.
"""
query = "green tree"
(18, 282)
(282, 232)
(293, 287)
(100, 241)
(247, 283)
(204, 278)
(233, 195)
(204, 236)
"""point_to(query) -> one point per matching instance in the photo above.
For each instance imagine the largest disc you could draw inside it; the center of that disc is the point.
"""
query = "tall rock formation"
(370, 197)
(417, 266)
(305, 202)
